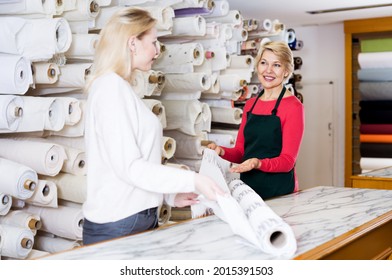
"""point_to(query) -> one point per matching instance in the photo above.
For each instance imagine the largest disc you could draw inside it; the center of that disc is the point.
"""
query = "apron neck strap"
(275, 110)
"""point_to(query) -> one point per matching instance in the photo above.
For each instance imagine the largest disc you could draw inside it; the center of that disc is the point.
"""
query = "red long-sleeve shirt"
(292, 117)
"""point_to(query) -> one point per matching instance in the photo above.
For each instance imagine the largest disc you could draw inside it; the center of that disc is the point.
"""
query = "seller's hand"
(216, 148)
(247, 165)
(185, 199)
(206, 186)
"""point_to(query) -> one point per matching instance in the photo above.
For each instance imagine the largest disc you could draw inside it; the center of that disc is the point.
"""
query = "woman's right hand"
(206, 186)
(216, 148)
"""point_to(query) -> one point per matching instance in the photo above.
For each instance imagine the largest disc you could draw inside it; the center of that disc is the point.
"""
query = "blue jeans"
(144, 220)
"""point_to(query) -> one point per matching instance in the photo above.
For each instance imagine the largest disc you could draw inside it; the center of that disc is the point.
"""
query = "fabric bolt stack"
(375, 87)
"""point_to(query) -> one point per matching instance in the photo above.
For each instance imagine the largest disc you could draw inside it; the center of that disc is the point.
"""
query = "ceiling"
(294, 13)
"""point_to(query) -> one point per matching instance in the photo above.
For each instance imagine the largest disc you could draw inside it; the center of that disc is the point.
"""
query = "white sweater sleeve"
(127, 134)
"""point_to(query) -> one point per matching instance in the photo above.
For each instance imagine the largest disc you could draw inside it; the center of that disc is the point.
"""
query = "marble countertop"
(316, 215)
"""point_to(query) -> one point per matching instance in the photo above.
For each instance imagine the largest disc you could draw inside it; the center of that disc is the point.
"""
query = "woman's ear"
(131, 43)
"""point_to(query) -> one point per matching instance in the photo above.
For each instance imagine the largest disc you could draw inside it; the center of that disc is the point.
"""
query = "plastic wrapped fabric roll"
(23, 219)
(15, 74)
(11, 112)
(83, 46)
(54, 244)
(158, 109)
(186, 82)
(85, 10)
(16, 242)
(69, 187)
(45, 194)
(17, 179)
(63, 221)
(45, 73)
(5, 203)
(226, 115)
(44, 158)
(168, 147)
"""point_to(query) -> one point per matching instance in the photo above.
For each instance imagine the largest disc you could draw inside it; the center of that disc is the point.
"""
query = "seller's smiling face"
(271, 71)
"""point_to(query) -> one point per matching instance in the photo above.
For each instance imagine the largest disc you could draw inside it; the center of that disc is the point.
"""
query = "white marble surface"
(316, 215)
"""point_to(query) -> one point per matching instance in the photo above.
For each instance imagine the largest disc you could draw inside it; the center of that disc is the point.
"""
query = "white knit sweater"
(123, 147)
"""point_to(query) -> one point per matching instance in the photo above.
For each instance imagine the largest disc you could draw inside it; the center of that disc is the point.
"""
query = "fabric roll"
(205, 124)
(244, 73)
(193, 164)
(220, 9)
(44, 158)
(242, 61)
(375, 128)
(298, 45)
(187, 146)
(11, 111)
(375, 60)
(231, 82)
(297, 63)
(22, 7)
(23, 219)
(370, 163)
(164, 17)
(164, 212)
(186, 82)
(63, 221)
(185, 115)
(375, 138)
(225, 140)
(248, 45)
(75, 163)
(85, 10)
(35, 254)
(187, 4)
(54, 244)
(45, 194)
(72, 110)
(5, 203)
(148, 83)
(215, 86)
(69, 187)
(375, 116)
(73, 130)
(189, 26)
(376, 45)
(83, 46)
(168, 147)
(45, 73)
(240, 34)
(375, 105)
(16, 242)
(15, 74)
(233, 17)
(226, 115)
(376, 150)
(264, 26)
(375, 91)
(158, 109)
(375, 75)
(17, 179)
(74, 142)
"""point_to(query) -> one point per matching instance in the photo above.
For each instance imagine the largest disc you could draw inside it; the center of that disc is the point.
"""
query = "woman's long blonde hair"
(112, 52)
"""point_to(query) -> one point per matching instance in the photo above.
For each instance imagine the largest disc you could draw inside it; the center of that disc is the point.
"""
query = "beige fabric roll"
(231, 82)
(44, 158)
(16, 242)
(226, 140)
(16, 179)
(83, 46)
(75, 163)
(168, 147)
(158, 109)
(187, 146)
(189, 26)
(69, 187)
(242, 61)
(54, 244)
(23, 219)
(45, 73)
(164, 212)
(63, 221)
(35, 254)
(164, 17)
(226, 115)
(74, 142)
(72, 109)
(186, 82)
(233, 17)
(5, 203)
(75, 130)
(45, 194)
(11, 112)
(85, 10)
(15, 74)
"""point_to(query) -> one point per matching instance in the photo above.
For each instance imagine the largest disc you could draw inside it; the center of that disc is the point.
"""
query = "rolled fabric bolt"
(210, 4)
(157, 110)
(168, 146)
(34, 224)
(26, 243)
(29, 185)
(196, 53)
(209, 54)
(156, 79)
(94, 7)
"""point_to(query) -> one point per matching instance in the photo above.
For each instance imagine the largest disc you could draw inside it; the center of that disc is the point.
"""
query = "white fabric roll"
(45, 194)
(45, 73)
(240, 34)
(186, 82)
(369, 163)
(74, 142)
(23, 219)
(44, 158)
(158, 109)
(11, 111)
(54, 244)
(63, 221)
(184, 115)
(83, 46)
(15, 74)
(215, 86)
(22, 7)
(193, 164)
(178, 54)
(188, 4)
(231, 82)
(85, 10)
(5, 204)
(16, 242)
(35, 254)
(189, 26)
(70, 187)
(265, 25)
(187, 146)
(16, 179)
(226, 115)
(375, 60)
(242, 61)
(164, 17)
(233, 17)
(168, 147)
(75, 163)
(72, 109)
(220, 9)
(225, 140)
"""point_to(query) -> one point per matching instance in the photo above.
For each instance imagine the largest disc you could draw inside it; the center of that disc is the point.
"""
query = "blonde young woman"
(126, 181)
(272, 128)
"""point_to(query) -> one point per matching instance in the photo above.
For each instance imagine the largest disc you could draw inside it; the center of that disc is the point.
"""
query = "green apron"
(263, 139)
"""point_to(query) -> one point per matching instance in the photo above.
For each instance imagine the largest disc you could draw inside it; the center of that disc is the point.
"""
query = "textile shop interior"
(197, 88)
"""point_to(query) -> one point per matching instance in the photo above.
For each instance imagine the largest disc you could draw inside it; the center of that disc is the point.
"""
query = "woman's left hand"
(247, 165)
(185, 199)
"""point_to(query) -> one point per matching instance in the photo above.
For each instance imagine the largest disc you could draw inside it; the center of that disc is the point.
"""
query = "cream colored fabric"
(11, 112)
(15, 74)
(23, 219)
(16, 242)
(45, 194)
(5, 203)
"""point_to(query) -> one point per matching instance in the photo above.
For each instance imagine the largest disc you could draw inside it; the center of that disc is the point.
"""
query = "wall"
(323, 60)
